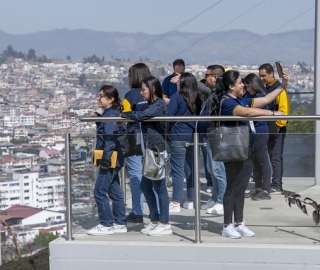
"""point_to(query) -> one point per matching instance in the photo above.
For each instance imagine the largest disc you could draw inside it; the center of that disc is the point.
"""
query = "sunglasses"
(292, 198)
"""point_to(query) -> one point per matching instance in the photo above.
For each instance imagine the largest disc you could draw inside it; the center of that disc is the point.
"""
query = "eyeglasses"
(302, 204)
(208, 75)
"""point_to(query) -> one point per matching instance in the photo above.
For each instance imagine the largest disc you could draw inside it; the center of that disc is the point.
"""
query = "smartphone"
(279, 69)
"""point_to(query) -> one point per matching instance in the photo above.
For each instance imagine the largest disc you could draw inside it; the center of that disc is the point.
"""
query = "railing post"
(68, 186)
(123, 183)
(197, 221)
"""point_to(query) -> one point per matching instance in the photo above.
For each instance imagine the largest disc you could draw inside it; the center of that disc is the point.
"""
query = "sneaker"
(217, 209)
(243, 230)
(210, 203)
(188, 205)
(230, 232)
(101, 230)
(120, 228)
(251, 193)
(262, 195)
(148, 228)
(276, 190)
(161, 229)
(174, 208)
(209, 189)
(134, 218)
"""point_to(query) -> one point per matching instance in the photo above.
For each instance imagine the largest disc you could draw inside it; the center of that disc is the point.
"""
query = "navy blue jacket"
(153, 132)
(111, 137)
(180, 131)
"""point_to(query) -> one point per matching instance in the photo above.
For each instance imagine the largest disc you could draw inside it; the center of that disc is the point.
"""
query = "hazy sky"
(156, 16)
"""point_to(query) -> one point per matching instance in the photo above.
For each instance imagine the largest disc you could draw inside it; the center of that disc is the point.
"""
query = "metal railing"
(195, 145)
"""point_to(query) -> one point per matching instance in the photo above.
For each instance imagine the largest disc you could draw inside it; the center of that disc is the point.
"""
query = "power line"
(215, 31)
(170, 31)
(267, 34)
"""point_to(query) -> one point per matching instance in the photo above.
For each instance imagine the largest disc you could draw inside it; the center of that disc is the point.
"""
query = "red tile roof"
(20, 211)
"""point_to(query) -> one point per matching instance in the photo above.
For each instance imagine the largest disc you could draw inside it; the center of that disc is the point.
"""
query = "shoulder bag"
(229, 143)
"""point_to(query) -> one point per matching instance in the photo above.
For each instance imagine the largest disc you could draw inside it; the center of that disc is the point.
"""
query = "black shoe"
(262, 195)
(134, 218)
(251, 193)
(276, 190)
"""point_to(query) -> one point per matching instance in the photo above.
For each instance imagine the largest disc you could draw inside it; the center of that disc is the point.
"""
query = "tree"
(300, 127)
(68, 58)
(82, 79)
(44, 239)
(31, 55)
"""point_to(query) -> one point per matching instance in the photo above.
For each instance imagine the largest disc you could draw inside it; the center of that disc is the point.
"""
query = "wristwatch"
(271, 112)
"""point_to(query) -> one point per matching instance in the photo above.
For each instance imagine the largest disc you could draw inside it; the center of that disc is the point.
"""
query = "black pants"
(275, 149)
(238, 175)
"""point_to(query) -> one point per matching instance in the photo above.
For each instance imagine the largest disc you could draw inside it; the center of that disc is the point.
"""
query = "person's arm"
(203, 88)
(149, 112)
(165, 87)
(260, 102)
(249, 112)
(284, 106)
(173, 105)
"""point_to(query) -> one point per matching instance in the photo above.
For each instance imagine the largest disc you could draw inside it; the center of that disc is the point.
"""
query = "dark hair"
(190, 92)
(267, 67)
(111, 92)
(178, 62)
(137, 73)
(153, 83)
(216, 69)
(255, 83)
(228, 78)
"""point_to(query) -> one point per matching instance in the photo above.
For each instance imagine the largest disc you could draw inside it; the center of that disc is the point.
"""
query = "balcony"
(285, 237)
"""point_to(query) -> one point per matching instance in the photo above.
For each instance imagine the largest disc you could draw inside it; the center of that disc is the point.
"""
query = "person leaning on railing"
(154, 137)
(229, 90)
(110, 138)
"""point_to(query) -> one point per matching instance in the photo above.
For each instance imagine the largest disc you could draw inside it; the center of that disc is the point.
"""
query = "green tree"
(44, 239)
(82, 79)
(68, 58)
(300, 127)
(31, 55)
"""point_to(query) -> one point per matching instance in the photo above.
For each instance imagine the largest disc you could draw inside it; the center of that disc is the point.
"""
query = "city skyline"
(155, 17)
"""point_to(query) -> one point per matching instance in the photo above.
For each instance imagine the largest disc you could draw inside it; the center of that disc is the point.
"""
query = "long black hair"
(190, 92)
(111, 92)
(153, 83)
(255, 83)
(137, 73)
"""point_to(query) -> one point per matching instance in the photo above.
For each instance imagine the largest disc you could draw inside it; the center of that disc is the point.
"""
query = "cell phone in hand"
(279, 69)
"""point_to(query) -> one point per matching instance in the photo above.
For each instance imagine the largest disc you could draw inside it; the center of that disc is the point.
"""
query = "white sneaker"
(120, 228)
(208, 204)
(161, 230)
(230, 232)
(209, 190)
(101, 230)
(243, 230)
(148, 228)
(188, 205)
(217, 209)
(174, 208)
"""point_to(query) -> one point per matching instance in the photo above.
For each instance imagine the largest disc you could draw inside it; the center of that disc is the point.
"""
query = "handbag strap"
(177, 122)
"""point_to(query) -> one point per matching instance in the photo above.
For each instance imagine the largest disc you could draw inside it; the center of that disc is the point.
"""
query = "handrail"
(206, 118)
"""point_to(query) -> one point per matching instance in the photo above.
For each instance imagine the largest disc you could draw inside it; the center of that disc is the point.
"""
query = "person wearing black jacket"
(110, 138)
(154, 136)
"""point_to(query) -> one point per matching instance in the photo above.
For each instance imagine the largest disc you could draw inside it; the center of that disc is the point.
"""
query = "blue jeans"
(134, 167)
(181, 162)
(149, 188)
(205, 157)
(218, 175)
(108, 186)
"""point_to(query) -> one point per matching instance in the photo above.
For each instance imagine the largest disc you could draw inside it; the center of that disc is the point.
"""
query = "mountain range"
(223, 47)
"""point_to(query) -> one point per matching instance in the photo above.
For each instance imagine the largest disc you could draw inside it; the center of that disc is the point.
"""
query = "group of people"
(220, 93)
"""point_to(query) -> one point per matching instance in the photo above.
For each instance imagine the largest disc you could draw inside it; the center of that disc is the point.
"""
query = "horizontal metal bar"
(206, 118)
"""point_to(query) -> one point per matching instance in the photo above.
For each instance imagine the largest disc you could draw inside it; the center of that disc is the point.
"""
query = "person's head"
(213, 72)
(151, 89)
(108, 97)
(254, 84)
(230, 82)
(266, 73)
(188, 88)
(137, 73)
(178, 66)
